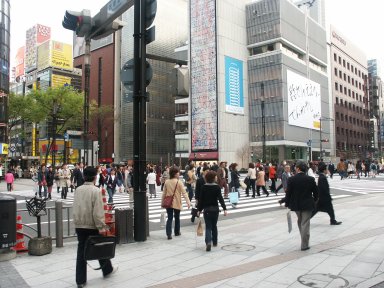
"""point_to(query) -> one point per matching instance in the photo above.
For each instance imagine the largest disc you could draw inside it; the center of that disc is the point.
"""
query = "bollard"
(59, 223)
(147, 215)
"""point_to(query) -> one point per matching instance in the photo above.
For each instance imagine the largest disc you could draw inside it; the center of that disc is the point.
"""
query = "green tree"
(63, 106)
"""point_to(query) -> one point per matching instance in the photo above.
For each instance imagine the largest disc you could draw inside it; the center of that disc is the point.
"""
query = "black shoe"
(169, 237)
(336, 222)
(267, 194)
(253, 196)
(208, 248)
(258, 194)
(177, 234)
(246, 195)
(305, 249)
(214, 244)
(81, 285)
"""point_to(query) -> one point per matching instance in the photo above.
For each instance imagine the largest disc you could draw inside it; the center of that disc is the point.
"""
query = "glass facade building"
(171, 24)
(4, 68)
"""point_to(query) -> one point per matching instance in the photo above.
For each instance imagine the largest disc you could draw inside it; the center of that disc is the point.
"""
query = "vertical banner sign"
(304, 101)
(203, 75)
(234, 97)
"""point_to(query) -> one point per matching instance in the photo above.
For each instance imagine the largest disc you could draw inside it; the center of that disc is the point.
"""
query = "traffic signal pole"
(87, 70)
(139, 127)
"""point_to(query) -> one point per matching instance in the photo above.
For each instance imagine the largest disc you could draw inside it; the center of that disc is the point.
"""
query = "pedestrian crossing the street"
(246, 204)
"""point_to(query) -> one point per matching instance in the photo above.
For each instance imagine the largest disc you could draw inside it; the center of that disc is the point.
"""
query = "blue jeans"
(190, 191)
(210, 219)
(111, 192)
(168, 227)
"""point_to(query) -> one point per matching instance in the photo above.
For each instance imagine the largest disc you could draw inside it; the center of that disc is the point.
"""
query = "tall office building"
(171, 23)
(219, 82)
(376, 106)
(4, 73)
(349, 80)
(288, 83)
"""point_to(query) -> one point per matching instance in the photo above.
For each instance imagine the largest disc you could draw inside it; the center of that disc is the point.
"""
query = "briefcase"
(100, 247)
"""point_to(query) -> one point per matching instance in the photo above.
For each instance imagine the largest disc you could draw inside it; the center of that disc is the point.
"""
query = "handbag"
(199, 230)
(247, 180)
(99, 247)
(167, 201)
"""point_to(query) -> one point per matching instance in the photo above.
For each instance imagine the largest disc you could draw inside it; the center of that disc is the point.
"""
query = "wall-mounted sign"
(234, 97)
(304, 101)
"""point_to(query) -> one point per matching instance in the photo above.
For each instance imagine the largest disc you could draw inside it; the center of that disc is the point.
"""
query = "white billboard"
(304, 101)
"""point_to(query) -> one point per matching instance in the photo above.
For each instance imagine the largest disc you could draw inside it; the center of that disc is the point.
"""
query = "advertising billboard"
(19, 62)
(203, 67)
(60, 80)
(304, 101)
(55, 54)
(234, 96)
(34, 36)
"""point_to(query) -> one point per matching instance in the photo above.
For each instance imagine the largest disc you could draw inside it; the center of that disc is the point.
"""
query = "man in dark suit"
(301, 196)
(78, 176)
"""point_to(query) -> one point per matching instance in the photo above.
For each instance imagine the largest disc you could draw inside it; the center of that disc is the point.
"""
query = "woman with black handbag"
(175, 189)
(88, 217)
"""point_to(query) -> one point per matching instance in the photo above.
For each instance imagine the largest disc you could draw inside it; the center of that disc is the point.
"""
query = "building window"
(345, 90)
(337, 116)
(339, 60)
(343, 62)
(349, 92)
(334, 57)
(348, 65)
(345, 77)
(349, 79)
(337, 100)
(335, 71)
(340, 74)
(337, 130)
(336, 86)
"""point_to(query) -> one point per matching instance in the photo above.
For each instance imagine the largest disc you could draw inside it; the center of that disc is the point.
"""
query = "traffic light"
(80, 22)
(150, 13)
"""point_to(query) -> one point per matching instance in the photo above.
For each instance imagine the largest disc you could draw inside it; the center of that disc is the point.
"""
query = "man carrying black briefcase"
(88, 217)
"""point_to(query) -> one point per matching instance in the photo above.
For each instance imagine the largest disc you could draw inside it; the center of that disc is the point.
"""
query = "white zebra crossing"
(246, 204)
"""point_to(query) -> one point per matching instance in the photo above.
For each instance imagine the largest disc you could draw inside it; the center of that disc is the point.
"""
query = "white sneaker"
(115, 268)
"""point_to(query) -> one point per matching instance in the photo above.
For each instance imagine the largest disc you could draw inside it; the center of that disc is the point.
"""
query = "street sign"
(66, 136)
(309, 143)
(12, 149)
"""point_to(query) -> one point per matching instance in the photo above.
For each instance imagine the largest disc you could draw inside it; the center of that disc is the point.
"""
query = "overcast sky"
(362, 22)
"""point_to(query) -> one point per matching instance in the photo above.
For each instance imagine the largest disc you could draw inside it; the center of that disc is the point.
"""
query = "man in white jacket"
(88, 217)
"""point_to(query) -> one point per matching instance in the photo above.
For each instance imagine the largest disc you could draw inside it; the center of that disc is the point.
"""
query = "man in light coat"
(88, 217)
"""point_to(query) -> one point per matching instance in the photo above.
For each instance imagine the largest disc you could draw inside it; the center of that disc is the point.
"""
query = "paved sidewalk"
(253, 251)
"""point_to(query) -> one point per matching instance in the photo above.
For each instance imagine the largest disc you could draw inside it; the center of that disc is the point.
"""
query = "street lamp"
(263, 127)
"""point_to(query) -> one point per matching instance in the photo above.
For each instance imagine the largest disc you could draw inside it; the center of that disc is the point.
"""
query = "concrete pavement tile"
(360, 269)
(248, 279)
(370, 256)
(268, 284)
(353, 280)
(224, 284)
(309, 262)
(286, 276)
(200, 270)
(56, 284)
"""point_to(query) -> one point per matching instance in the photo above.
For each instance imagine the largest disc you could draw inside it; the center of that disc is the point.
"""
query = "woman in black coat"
(324, 204)
(210, 194)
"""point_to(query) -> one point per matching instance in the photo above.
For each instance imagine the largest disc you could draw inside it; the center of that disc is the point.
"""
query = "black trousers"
(328, 209)
(81, 264)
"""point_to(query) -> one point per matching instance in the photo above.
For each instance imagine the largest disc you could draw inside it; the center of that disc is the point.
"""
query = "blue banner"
(234, 97)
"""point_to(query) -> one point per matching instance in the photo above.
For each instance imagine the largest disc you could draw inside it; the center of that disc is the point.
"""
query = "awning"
(204, 156)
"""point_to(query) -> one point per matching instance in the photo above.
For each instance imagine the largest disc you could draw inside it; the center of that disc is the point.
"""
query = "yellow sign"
(55, 54)
(3, 149)
(60, 80)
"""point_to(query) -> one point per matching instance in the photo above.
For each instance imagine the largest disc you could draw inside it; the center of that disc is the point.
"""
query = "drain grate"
(238, 247)
(322, 280)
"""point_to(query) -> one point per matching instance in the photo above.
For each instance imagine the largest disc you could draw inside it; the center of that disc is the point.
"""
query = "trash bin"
(124, 225)
(7, 221)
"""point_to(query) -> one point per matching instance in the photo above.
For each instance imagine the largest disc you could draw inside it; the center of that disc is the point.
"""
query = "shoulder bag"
(167, 201)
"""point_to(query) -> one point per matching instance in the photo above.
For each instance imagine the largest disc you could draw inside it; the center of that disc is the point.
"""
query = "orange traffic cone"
(20, 244)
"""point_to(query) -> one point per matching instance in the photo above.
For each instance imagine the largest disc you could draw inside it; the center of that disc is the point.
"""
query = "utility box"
(7, 221)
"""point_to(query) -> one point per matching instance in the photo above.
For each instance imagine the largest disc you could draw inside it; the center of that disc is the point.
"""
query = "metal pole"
(87, 75)
(59, 223)
(321, 144)
(139, 128)
(263, 128)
